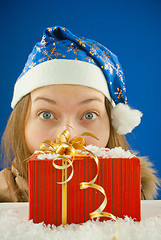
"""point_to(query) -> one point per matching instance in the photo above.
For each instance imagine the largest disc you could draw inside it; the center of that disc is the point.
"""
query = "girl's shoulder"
(7, 186)
(13, 187)
(149, 180)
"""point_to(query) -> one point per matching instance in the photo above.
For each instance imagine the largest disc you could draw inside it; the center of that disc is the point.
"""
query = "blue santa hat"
(63, 58)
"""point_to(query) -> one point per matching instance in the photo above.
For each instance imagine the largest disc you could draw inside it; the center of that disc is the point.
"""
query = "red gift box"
(52, 202)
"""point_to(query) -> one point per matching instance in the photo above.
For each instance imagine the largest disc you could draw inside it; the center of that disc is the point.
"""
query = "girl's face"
(55, 106)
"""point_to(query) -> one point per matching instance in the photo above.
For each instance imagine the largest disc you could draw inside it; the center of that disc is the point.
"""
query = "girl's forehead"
(67, 90)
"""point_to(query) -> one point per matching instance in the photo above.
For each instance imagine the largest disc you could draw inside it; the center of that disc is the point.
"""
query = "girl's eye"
(90, 116)
(46, 115)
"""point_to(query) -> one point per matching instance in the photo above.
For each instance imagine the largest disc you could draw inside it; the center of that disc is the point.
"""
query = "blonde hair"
(115, 139)
(13, 140)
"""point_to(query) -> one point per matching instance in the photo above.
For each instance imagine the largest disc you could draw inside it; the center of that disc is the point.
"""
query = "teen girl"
(73, 81)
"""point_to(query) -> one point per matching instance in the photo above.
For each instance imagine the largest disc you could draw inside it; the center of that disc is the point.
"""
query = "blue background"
(130, 29)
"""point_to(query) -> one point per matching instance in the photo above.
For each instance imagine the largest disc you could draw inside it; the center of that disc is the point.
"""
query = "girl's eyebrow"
(45, 99)
(90, 100)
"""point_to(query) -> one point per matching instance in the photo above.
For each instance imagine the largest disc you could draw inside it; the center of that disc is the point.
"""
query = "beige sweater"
(14, 188)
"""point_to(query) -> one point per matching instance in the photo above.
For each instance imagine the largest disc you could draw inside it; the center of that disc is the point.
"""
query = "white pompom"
(124, 118)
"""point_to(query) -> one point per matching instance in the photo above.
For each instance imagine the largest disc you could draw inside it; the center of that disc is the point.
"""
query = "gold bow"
(75, 147)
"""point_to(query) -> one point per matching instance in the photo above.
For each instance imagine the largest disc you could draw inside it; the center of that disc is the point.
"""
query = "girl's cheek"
(36, 133)
(45, 131)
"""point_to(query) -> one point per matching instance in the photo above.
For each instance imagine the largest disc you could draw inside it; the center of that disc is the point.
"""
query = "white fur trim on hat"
(124, 118)
(60, 71)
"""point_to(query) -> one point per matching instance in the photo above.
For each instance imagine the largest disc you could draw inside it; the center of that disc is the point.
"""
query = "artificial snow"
(14, 227)
(116, 152)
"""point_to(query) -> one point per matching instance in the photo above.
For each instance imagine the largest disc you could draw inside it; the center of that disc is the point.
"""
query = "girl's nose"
(72, 131)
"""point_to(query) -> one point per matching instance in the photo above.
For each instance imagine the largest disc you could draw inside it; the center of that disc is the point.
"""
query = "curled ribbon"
(75, 147)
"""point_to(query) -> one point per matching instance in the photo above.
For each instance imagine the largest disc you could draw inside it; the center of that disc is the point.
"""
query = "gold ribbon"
(75, 147)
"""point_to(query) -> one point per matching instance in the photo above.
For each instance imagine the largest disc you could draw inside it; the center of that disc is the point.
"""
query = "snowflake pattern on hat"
(60, 43)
